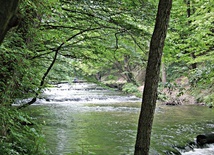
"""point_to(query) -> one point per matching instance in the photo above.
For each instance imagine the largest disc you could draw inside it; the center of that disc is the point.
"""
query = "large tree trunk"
(152, 77)
(8, 9)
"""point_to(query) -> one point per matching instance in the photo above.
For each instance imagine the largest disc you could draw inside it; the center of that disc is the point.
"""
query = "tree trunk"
(152, 77)
(194, 65)
(8, 9)
(128, 71)
(163, 73)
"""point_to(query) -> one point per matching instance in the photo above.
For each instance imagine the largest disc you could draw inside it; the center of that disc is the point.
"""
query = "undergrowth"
(19, 134)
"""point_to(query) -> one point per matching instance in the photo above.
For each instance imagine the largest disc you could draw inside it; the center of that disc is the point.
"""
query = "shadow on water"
(104, 122)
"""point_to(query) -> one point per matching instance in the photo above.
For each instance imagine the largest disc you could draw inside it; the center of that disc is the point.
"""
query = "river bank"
(178, 92)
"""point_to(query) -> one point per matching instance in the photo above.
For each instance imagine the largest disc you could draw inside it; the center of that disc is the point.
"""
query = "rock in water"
(205, 139)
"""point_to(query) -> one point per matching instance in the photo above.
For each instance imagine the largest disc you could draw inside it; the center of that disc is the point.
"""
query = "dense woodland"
(98, 41)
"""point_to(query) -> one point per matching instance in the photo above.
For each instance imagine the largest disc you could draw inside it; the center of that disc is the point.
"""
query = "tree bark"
(8, 19)
(163, 73)
(152, 78)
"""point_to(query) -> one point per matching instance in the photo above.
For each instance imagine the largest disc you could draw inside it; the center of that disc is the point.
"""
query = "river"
(86, 119)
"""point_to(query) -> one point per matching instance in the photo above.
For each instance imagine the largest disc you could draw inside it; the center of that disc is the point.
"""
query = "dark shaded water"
(84, 119)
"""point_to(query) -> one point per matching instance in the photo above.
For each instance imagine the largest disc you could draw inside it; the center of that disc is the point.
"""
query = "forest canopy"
(61, 40)
(101, 41)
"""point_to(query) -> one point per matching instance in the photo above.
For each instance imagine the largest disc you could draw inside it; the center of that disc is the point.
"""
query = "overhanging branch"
(51, 65)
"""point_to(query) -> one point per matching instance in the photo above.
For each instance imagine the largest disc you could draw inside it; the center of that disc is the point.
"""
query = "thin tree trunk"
(163, 73)
(194, 65)
(152, 77)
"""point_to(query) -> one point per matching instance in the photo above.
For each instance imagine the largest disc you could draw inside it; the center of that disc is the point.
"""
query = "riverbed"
(86, 119)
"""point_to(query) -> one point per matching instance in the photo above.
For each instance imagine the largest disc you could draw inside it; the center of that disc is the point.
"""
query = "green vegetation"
(98, 41)
(189, 48)
(130, 88)
(19, 134)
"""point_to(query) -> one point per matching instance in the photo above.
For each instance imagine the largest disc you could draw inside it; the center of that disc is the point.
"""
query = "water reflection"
(109, 128)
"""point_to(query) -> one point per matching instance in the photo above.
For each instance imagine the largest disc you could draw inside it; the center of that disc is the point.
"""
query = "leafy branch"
(52, 64)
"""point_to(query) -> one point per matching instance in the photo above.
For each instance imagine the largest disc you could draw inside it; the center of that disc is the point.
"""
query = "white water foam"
(83, 93)
(201, 151)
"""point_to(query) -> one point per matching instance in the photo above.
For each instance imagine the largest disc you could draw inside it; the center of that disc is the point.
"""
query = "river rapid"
(86, 119)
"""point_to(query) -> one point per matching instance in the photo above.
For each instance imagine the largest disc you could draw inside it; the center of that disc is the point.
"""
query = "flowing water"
(85, 119)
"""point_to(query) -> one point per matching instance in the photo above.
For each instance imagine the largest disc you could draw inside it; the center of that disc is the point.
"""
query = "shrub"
(18, 135)
(130, 88)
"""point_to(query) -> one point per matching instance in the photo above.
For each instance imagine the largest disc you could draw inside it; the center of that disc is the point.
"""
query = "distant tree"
(152, 78)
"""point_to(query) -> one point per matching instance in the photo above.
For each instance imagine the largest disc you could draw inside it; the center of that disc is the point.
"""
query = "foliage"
(202, 82)
(98, 36)
(202, 77)
(18, 80)
(96, 39)
(130, 88)
(18, 135)
(190, 39)
(189, 46)
(21, 72)
(209, 100)
(63, 70)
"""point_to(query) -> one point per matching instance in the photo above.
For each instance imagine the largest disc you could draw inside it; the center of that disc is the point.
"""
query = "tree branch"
(51, 65)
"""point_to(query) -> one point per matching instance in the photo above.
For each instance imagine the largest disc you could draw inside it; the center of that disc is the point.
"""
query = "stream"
(86, 119)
